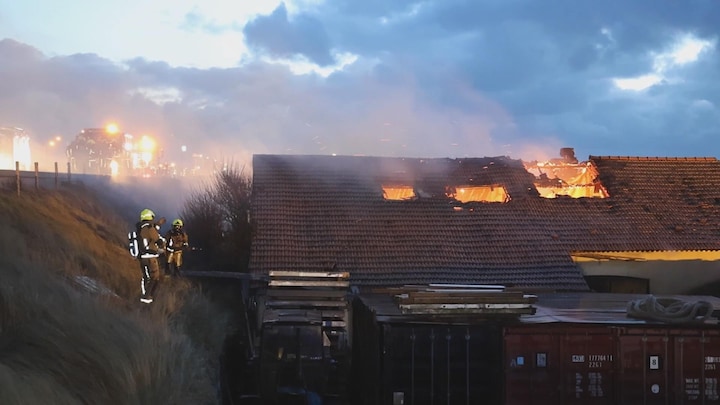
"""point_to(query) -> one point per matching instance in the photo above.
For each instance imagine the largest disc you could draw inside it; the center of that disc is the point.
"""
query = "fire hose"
(669, 310)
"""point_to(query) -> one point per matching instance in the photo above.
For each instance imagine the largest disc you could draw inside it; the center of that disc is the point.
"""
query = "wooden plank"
(333, 314)
(305, 304)
(285, 292)
(333, 324)
(462, 290)
(476, 312)
(469, 286)
(291, 316)
(463, 300)
(220, 274)
(303, 274)
(480, 293)
(308, 283)
(464, 306)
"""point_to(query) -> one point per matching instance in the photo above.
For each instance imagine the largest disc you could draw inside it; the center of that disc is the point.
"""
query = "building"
(483, 280)
(641, 224)
(14, 147)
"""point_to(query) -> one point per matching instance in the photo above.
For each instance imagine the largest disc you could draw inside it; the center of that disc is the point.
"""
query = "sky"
(435, 78)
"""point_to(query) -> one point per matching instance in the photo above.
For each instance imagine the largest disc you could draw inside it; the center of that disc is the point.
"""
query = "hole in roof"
(566, 176)
(398, 192)
(474, 193)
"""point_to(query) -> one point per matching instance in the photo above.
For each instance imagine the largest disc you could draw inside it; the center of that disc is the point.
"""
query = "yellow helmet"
(147, 215)
(178, 222)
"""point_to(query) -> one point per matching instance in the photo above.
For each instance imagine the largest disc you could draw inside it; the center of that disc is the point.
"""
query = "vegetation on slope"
(72, 330)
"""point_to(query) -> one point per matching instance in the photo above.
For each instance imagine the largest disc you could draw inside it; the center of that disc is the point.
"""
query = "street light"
(112, 128)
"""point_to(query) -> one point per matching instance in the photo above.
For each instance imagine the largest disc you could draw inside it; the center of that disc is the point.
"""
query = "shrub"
(216, 219)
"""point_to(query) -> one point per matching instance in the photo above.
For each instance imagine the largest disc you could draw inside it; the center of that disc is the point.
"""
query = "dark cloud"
(280, 37)
(433, 78)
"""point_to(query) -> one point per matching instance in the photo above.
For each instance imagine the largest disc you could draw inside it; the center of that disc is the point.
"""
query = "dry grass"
(62, 344)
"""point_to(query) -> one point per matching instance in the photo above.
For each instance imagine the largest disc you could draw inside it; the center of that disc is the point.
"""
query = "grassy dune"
(72, 330)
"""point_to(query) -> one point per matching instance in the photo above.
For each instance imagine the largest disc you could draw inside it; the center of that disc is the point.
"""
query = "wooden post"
(69, 172)
(17, 176)
(56, 175)
(37, 177)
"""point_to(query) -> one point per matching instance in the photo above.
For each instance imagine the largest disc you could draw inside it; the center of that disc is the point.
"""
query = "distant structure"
(14, 147)
(108, 151)
(97, 150)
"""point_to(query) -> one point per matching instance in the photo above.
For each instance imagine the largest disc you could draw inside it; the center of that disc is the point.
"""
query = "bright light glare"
(147, 144)
(637, 83)
(303, 66)
(114, 167)
(686, 49)
(112, 128)
(689, 49)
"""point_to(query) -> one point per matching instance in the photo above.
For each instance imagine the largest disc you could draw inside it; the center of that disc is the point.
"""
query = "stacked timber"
(314, 296)
(465, 299)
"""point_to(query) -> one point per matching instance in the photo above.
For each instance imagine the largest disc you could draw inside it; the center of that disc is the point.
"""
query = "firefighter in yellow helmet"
(146, 244)
(177, 242)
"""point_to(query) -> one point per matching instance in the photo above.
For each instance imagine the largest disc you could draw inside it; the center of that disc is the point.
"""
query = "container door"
(532, 369)
(441, 365)
(646, 364)
(697, 370)
(588, 361)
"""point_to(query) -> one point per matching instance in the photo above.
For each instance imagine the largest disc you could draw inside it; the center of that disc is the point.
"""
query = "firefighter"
(146, 244)
(177, 242)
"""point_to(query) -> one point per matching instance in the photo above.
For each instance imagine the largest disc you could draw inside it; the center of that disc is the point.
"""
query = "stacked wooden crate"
(315, 296)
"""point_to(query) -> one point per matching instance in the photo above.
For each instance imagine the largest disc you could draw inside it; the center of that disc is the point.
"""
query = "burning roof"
(566, 176)
(313, 213)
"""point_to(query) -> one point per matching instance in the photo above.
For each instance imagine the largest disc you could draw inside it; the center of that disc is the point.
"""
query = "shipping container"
(584, 349)
(557, 364)
(577, 348)
(669, 365)
(403, 359)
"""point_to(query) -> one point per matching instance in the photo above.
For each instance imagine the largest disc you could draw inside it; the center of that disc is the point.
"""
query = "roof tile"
(316, 212)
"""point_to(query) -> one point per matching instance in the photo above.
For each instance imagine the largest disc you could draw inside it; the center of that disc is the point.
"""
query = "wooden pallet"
(318, 295)
(489, 300)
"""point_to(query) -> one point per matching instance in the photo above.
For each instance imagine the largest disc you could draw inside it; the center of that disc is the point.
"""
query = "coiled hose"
(669, 310)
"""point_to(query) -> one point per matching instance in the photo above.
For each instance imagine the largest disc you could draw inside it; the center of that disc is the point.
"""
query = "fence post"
(56, 175)
(37, 177)
(68, 172)
(17, 176)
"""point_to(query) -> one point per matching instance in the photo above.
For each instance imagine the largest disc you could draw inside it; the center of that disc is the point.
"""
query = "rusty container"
(668, 365)
(645, 366)
(565, 363)
(697, 371)
(559, 364)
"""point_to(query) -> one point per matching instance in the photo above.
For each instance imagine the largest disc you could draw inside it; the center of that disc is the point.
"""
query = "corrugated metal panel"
(424, 363)
(697, 371)
(559, 365)
(606, 364)
(645, 367)
(529, 363)
(578, 349)
(675, 366)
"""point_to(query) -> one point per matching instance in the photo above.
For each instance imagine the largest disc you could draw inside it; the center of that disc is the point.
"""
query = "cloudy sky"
(435, 78)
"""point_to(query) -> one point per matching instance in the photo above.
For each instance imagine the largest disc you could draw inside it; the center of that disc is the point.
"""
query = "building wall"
(674, 273)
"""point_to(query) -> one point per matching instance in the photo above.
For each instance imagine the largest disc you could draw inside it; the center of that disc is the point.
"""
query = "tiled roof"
(323, 212)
